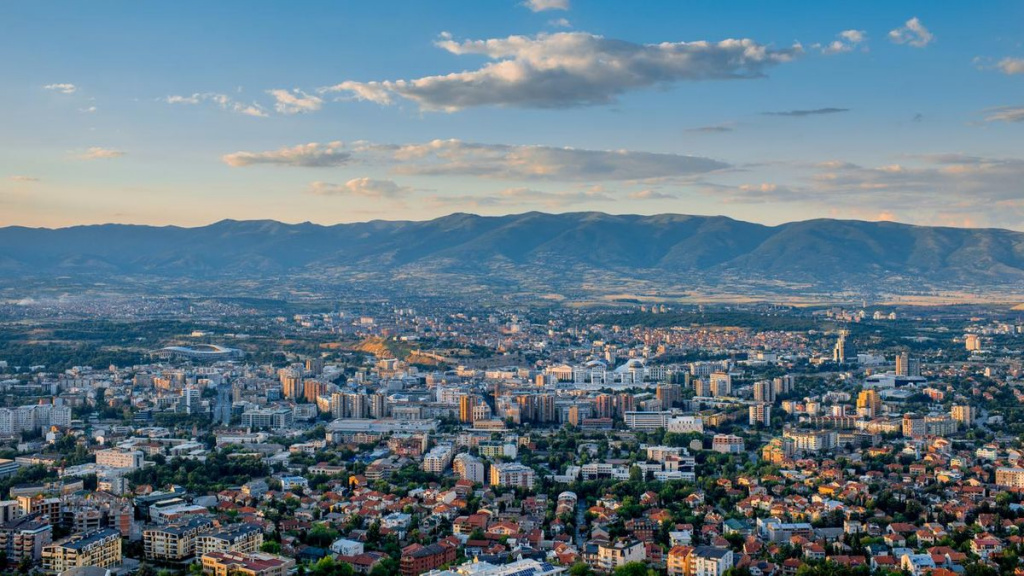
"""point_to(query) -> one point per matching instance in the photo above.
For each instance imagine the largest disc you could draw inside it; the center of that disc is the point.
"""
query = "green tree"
(580, 569)
(634, 569)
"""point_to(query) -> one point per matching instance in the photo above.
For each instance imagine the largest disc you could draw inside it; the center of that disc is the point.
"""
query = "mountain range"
(571, 252)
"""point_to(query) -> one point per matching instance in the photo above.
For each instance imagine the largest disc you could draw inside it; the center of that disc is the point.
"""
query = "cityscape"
(511, 288)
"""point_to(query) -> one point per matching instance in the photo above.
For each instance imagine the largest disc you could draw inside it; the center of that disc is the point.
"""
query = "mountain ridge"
(533, 251)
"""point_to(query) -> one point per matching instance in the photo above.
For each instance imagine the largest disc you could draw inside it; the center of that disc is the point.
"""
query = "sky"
(186, 113)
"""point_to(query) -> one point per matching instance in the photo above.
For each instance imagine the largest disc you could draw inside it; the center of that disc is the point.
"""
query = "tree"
(271, 547)
(387, 567)
(580, 569)
(634, 569)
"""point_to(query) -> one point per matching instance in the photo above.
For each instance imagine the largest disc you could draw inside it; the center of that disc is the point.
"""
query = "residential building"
(512, 474)
(711, 561)
(174, 542)
(727, 444)
(438, 459)
(117, 458)
(242, 538)
(611, 555)
(25, 537)
(468, 467)
(252, 564)
(100, 548)
(417, 558)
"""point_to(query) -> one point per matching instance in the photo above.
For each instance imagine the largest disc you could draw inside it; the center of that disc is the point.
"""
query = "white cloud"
(1005, 114)
(569, 69)
(295, 101)
(361, 187)
(651, 195)
(846, 41)
(98, 153)
(312, 155)
(375, 92)
(543, 5)
(953, 188)
(498, 161)
(62, 88)
(20, 178)
(88, 110)
(912, 33)
(223, 101)
(560, 23)
(1012, 65)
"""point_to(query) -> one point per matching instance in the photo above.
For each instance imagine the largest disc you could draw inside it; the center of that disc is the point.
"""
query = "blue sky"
(187, 113)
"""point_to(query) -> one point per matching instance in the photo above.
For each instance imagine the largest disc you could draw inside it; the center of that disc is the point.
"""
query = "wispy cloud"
(312, 155)
(62, 88)
(560, 23)
(568, 69)
(21, 178)
(712, 129)
(98, 153)
(651, 195)
(521, 196)
(544, 5)
(361, 187)
(498, 161)
(222, 101)
(295, 101)
(913, 33)
(809, 112)
(937, 188)
(1005, 114)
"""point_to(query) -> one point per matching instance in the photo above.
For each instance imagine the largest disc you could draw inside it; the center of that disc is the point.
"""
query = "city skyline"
(329, 113)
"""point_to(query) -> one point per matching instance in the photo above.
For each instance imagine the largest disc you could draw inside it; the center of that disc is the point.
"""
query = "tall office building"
(763, 391)
(291, 383)
(625, 403)
(843, 352)
(972, 342)
(963, 413)
(783, 385)
(315, 366)
(907, 365)
(378, 405)
(546, 408)
(604, 406)
(869, 402)
(760, 414)
(466, 404)
(670, 395)
(721, 384)
(311, 389)
(191, 399)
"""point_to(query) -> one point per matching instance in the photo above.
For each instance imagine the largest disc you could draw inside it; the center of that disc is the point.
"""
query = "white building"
(711, 561)
(116, 458)
(437, 460)
(468, 467)
(512, 474)
(646, 421)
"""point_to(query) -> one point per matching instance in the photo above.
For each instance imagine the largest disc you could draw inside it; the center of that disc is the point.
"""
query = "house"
(711, 561)
(917, 564)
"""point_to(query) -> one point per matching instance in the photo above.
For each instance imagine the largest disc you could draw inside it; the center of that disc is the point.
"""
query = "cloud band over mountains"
(500, 161)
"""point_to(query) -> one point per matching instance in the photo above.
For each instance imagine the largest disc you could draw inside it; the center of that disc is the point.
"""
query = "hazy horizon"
(432, 218)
